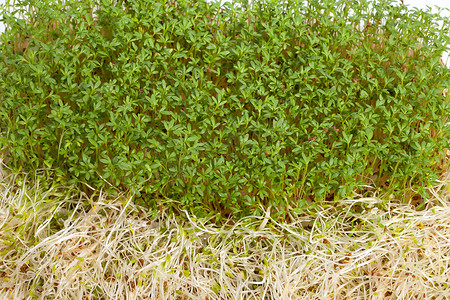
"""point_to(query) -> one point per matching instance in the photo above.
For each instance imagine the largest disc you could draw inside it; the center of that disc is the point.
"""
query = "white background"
(410, 3)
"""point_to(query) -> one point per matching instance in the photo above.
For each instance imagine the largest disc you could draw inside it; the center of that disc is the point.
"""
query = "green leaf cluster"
(225, 108)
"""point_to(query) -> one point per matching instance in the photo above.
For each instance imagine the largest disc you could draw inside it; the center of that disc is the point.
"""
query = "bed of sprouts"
(58, 243)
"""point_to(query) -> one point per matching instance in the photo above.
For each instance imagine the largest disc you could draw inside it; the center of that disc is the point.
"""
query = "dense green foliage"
(226, 108)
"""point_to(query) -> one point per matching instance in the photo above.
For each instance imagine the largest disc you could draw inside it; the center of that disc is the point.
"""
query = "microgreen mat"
(233, 108)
